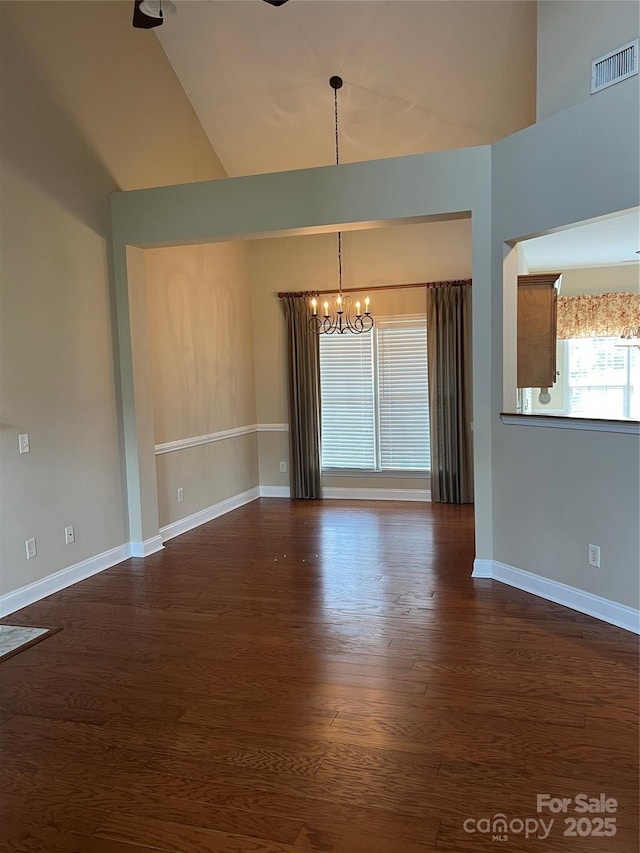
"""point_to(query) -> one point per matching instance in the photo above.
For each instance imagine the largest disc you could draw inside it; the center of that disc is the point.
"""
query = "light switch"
(23, 442)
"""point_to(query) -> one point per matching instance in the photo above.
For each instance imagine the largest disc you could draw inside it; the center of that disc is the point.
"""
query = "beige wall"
(54, 247)
(540, 179)
(208, 474)
(581, 488)
(201, 355)
(557, 491)
(624, 277)
(90, 106)
(393, 255)
(572, 33)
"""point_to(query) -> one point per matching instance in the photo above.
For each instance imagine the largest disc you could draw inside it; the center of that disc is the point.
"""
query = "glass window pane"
(602, 377)
(596, 361)
(597, 402)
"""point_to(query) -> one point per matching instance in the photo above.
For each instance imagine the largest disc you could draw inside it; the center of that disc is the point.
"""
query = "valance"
(605, 315)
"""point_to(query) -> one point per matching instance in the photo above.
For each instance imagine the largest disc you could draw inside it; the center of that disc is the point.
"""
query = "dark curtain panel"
(449, 355)
(303, 371)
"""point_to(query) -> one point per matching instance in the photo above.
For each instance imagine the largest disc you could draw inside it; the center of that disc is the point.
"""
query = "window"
(598, 379)
(375, 404)
(603, 380)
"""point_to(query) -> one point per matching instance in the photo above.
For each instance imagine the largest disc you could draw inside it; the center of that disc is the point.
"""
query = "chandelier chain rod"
(339, 319)
(335, 114)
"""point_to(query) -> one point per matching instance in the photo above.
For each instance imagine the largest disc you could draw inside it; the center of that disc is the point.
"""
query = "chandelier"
(340, 313)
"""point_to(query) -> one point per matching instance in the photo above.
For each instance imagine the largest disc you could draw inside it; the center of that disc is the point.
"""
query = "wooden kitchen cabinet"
(537, 296)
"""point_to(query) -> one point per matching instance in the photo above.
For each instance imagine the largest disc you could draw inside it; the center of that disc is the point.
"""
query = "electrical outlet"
(180, 495)
(594, 556)
(283, 467)
(23, 442)
(69, 535)
(31, 548)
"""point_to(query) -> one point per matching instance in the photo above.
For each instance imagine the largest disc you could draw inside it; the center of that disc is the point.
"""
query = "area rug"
(15, 638)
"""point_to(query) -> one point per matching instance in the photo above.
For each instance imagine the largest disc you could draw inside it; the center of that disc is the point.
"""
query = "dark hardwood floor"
(314, 676)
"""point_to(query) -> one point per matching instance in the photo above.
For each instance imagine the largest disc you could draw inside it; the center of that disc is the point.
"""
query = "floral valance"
(606, 315)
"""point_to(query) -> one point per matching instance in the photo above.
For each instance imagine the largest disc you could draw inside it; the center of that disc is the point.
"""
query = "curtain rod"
(463, 281)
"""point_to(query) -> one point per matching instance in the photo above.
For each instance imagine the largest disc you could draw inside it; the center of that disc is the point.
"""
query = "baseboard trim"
(482, 568)
(144, 549)
(348, 494)
(176, 528)
(19, 598)
(576, 599)
(275, 492)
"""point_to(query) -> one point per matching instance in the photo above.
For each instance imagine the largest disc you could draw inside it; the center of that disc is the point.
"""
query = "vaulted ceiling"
(418, 76)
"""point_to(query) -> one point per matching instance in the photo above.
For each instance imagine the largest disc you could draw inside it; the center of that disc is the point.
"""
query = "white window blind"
(375, 405)
(403, 397)
(347, 394)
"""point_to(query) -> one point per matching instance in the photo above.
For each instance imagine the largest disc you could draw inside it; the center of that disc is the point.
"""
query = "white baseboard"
(19, 598)
(347, 494)
(144, 549)
(208, 514)
(482, 569)
(275, 492)
(569, 596)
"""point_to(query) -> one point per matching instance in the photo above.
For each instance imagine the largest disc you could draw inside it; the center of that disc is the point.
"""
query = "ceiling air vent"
(614, 67)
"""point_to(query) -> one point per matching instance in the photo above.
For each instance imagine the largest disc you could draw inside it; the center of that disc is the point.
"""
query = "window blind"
(347, 395)
(403, 397)
(375, 404)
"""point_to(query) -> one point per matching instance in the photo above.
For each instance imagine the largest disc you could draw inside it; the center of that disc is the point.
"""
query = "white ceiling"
(419, 76)
(602, 242)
